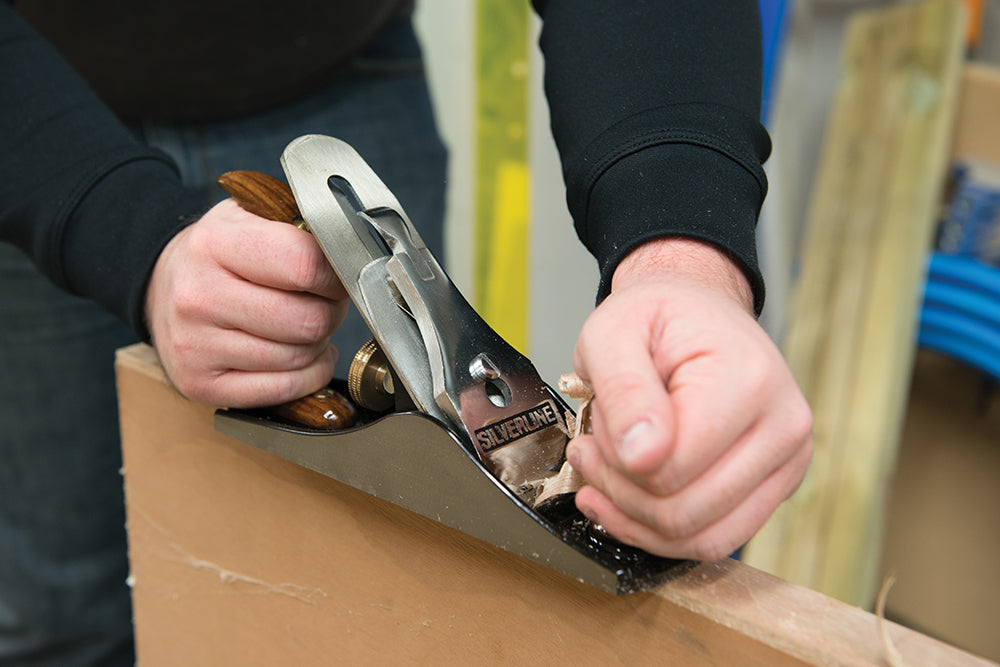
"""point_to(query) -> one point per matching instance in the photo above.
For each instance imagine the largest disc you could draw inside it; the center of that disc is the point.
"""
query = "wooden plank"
(851, 335)
(945, 479)
(239, 557)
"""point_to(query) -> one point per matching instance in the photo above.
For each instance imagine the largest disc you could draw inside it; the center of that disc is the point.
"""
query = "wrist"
(689, 260)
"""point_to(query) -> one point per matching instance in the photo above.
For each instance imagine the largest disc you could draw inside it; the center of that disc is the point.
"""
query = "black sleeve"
(655, 109)
(91, 205)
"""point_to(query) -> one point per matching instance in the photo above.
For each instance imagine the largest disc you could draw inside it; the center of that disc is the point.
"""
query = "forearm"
(90, 204)
(658, 133)
(688, 260)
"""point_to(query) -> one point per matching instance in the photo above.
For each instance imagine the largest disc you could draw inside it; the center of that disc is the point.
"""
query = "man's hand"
(241, 308)
(700, 431)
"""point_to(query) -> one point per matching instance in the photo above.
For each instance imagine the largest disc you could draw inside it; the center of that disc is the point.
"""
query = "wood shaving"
(571, 385)
(892, 654)
(567, 480)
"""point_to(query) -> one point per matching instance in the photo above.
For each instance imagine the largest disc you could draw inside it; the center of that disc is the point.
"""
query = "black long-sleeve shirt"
(654, 108)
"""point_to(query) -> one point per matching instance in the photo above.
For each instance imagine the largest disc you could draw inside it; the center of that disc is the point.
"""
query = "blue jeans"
(63, 561)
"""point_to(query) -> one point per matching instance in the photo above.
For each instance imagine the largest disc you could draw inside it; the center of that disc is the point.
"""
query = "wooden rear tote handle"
(269, 198)
(262, 195)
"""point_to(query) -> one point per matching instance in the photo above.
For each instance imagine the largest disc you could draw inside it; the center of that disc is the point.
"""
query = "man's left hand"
(699, 429)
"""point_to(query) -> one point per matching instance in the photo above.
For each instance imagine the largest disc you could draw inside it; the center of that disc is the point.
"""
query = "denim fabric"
(63, 564)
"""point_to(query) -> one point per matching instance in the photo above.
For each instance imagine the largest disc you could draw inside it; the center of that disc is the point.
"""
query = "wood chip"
(571, 385)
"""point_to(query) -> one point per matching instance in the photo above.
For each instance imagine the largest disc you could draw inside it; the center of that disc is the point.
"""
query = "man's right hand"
(240, 310)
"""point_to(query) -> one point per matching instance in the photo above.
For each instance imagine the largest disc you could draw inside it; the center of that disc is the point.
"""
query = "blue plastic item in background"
(773, 24)
(960, 316)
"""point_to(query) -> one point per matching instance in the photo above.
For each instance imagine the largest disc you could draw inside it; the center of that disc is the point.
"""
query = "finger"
(636, 427)
(196, 356)
(715, 541)
(275, 255)
(253, 389)
(285, 317)
(683, 462)
(708, 498)
(236, 350)
(720, 395)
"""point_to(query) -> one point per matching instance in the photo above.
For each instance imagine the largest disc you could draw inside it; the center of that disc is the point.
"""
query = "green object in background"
(502, 179)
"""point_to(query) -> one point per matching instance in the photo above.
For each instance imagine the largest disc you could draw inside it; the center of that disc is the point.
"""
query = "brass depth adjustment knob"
(369, 380)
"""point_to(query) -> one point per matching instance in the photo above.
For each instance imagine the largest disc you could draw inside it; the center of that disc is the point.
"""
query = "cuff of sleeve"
(114, 236)
(675, 190)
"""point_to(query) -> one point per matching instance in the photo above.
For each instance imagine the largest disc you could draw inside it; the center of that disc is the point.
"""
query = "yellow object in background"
(502, 240)
(505, 297)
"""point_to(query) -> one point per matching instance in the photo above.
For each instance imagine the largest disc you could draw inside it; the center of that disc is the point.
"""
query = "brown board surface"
(239, 557)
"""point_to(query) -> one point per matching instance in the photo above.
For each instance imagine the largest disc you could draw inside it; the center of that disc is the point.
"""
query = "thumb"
(633, 421)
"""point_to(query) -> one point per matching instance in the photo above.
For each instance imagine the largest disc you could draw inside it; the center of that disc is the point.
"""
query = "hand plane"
(450, 421)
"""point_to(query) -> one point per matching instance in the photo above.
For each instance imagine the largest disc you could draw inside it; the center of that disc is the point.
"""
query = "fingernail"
(573, 456)
(636, 442)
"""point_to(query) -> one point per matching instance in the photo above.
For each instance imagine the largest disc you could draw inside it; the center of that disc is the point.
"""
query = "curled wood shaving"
(571, 385)
(567, 480)
(892, 655)
(582, 423)
(570, 424)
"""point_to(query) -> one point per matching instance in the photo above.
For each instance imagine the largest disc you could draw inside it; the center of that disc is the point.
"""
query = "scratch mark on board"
(305, 594)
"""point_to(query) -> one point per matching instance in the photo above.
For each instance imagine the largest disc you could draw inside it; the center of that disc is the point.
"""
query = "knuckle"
(757, 380)
(297, 356)
(595, 472)
(796, 428)
(192, 386)
(330, 355)
(338, 313)
(711, 550)
(801, 421)
(181, 347)
(622, 384)
(201, 239)
(201, 393)
(183, 357)
(306, 267)
(283, 387)
(797, 469)
(617, 394)
(315, 322)
(189, 296)
(674, 523)
(667, 481)
(592, 334)
(301, 356)
(806, 454)
(188, 301)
